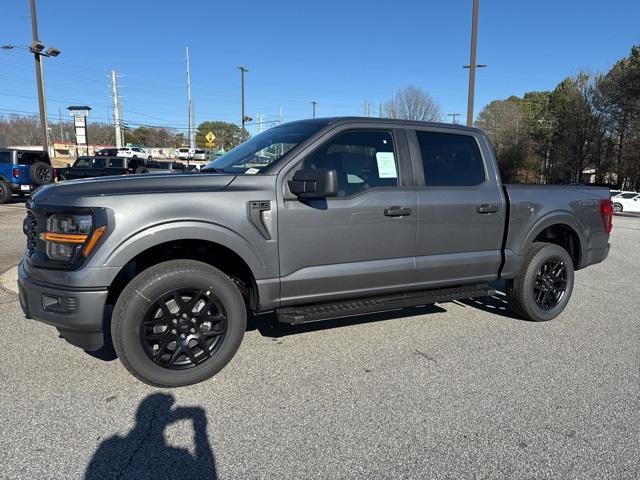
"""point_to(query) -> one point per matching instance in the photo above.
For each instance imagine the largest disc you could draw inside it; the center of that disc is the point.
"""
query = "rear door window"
(5, 157)
(116, 163)
(450, 160)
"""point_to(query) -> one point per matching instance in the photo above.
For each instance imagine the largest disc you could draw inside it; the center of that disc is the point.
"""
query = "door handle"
(397, 212)
(485, 208)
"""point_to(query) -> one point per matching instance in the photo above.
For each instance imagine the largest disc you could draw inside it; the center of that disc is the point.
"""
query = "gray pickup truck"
(314, 219)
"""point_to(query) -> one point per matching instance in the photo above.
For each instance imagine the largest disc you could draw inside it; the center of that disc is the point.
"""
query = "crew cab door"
(361, 241)
(461, 207)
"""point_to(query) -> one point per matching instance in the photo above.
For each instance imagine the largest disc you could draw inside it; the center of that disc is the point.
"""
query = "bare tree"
(413, 103)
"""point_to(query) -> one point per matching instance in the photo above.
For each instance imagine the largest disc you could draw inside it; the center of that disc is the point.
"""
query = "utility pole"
(380, 110)
(190, 132)
(244, 117)
(281, 116)
(313, 104)
(453, 115)
(117, 120)
(60, 120)
(472, 63)
(44, 131)
(261, 123)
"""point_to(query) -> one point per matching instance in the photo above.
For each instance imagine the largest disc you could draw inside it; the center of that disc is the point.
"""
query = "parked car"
(107, 152)
(350, 216)
(22, 171)
(626, 202)
(133, 152)
(86, 167)
(182, 153)
(199, 154)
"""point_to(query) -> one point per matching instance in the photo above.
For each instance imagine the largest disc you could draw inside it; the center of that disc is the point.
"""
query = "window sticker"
(386, 165)
(252, 171)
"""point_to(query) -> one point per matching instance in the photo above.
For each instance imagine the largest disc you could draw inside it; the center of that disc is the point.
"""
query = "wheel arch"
(215, 254)
(562, 232)
(213, 244)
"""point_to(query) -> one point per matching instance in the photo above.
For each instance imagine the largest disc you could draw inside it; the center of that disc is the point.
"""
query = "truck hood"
(133, 185)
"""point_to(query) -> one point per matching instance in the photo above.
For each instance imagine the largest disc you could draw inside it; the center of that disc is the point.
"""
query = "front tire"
(178, 323)
(543, 287)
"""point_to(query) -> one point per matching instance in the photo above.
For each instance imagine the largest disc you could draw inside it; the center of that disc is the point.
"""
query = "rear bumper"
(77, 314)
(21, 188)
(594, 255)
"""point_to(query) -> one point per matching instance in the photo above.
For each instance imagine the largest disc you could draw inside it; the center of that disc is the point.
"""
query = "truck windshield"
(254, 155)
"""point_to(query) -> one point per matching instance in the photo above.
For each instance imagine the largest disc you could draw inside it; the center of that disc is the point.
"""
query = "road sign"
(209, 144)
(210, 137)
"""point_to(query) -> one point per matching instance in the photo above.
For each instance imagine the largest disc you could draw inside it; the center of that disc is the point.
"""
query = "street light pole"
(472, 63)
(44, 131)
(242, 72)
(314, 103)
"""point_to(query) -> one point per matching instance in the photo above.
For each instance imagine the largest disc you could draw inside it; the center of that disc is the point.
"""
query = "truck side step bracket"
(347, 308)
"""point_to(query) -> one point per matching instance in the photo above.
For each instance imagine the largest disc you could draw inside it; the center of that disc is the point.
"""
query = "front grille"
(30, 228)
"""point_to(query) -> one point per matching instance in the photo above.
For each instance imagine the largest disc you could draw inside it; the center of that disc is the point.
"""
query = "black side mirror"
(314, 183)
(68, 165)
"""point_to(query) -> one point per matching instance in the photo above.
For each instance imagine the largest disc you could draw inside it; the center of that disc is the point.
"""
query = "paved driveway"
(458, 390)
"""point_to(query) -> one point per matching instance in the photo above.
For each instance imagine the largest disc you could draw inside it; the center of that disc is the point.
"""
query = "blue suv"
(22, 171)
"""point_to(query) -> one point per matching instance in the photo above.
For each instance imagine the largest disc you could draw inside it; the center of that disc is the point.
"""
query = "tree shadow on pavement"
(496, 304)
(144, 453)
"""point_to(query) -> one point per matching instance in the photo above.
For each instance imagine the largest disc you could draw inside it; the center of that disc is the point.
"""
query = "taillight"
(16, 172)
(606, 212)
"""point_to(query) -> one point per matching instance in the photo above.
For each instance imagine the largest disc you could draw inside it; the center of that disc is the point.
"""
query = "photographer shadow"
(144, 453)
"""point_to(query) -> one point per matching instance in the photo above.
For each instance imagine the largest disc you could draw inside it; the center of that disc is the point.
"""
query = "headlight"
(68, 234)
(65, 223)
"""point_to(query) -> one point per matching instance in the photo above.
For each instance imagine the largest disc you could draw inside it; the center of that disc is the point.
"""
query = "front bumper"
(77, 313)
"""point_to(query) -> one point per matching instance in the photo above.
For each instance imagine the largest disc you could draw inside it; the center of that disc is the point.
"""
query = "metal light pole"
(314, 103)
(244, 117)
(36, 48)
(472, 63)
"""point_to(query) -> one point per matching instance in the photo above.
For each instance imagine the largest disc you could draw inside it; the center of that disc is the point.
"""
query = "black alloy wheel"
(183, 328)
(44, 173)
(550, 284)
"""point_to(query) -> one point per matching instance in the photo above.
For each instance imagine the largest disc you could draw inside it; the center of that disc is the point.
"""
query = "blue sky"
(338, 53)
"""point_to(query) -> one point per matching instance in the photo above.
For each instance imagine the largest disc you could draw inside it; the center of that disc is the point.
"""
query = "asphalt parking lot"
(457, 390)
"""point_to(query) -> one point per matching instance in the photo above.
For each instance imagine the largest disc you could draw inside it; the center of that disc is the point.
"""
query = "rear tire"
(544, 285)
(617, 207)
(5, 192)
(156, 319)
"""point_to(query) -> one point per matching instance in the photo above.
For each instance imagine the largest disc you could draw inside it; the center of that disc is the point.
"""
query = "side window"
(5, 157)
(362, 159)
(99, 163)
(82, 163)
(450, 160)
(116, 162)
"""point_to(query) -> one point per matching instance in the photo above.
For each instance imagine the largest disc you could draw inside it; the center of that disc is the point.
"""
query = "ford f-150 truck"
(314, 219)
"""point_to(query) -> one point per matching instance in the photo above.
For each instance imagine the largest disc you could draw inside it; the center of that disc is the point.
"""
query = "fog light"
(51, 303)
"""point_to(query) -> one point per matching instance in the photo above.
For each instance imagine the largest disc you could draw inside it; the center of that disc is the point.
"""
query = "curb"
(9, 280)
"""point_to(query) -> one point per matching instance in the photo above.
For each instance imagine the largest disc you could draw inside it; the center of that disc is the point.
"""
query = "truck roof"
(342, 120)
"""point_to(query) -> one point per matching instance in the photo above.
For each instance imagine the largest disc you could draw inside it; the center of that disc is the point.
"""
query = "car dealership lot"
(457, 390)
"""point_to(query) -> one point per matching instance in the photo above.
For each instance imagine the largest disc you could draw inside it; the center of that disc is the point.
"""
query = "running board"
(347, 308)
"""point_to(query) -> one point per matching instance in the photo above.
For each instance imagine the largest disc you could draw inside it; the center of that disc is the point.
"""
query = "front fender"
(160, 233)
